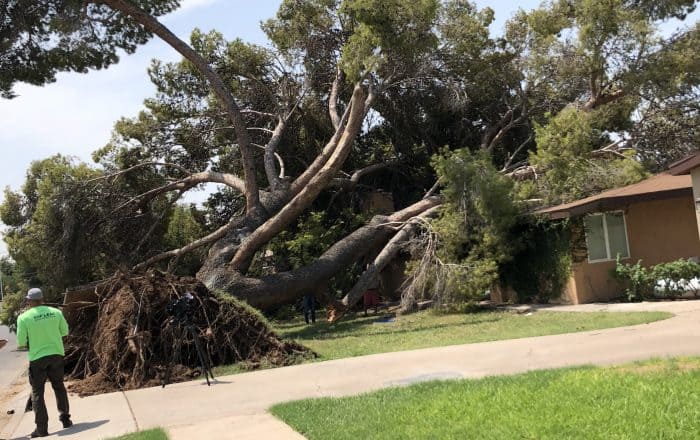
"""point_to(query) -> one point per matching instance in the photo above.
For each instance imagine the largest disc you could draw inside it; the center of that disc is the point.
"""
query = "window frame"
(607, 237)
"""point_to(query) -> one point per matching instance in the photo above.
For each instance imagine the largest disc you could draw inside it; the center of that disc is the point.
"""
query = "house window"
(606, 236)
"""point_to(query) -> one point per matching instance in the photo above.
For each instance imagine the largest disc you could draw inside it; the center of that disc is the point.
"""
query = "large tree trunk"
(285, 287)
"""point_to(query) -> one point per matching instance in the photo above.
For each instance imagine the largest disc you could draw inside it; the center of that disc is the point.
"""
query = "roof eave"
(613, 203)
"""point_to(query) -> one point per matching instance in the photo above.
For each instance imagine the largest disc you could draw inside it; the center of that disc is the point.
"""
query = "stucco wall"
(658, 231)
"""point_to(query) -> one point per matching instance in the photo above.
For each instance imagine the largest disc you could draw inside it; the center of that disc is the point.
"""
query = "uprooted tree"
(351, 90)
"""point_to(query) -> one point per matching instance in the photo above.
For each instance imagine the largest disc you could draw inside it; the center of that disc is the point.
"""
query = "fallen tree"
(346, 85)
(127, 339)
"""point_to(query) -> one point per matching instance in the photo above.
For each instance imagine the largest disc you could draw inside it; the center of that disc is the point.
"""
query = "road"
(12, 362)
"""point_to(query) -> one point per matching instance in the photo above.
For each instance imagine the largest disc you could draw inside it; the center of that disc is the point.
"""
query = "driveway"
(236, 406)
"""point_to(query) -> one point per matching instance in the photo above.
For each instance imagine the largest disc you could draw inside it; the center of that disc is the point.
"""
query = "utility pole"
(2, 291)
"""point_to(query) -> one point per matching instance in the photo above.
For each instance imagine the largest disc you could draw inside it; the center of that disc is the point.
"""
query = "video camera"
(182, 309)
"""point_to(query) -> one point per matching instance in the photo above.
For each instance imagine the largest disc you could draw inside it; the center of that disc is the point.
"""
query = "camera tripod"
(201, 354)
(181, 310)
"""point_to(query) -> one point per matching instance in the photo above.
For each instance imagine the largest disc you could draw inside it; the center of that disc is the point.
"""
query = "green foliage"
(563, 147)
(44, 237)
(70, 224)
(674, 278)
(386, 31)
(541, 266)
(638, 279)
(474, 225)
(183, 228)
(11, 309)
(15, 287)
(43, 37)
(11, 208)
(665, 279)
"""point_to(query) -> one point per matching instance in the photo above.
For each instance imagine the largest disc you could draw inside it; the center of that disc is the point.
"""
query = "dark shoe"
(38, 433)
(67, 423)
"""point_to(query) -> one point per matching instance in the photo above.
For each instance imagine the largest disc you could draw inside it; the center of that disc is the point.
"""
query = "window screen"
(617, 238)
(595, 237)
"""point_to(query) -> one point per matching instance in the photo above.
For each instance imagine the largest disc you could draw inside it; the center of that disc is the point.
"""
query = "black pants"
(51, 368)
(310, 313)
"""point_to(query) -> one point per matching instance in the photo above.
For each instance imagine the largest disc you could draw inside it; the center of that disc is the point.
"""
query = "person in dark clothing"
(371, 297)
(41, 329)
(309, 306)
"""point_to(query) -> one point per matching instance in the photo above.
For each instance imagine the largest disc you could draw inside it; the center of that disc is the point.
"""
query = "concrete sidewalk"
(235, 407)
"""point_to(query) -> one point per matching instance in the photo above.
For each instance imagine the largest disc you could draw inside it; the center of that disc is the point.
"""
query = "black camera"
(182, 309)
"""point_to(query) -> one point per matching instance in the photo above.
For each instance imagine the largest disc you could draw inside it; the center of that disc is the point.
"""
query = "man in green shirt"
(41, 329)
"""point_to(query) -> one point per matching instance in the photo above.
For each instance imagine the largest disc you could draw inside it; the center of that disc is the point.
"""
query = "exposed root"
(129, 341)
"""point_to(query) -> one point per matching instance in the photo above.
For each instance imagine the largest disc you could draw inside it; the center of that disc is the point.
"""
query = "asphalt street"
(12, 362)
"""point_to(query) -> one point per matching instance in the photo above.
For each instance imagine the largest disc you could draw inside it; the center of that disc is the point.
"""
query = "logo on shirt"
(43, 316)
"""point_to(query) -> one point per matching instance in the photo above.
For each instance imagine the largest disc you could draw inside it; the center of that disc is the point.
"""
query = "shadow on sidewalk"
(78, 427)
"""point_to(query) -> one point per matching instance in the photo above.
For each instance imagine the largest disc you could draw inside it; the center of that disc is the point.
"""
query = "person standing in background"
(309, 306)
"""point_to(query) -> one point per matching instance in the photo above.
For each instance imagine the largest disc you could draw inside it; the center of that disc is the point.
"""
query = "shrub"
(667, 279)
(11, 308)
(542, 266)
(675, 278)
(637, 279)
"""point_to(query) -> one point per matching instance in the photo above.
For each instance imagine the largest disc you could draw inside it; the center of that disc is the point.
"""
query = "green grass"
(151, 434)
(653, 400)
(360, 335)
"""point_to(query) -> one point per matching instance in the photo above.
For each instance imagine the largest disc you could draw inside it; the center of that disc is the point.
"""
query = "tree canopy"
(352, 98)
(40, 38)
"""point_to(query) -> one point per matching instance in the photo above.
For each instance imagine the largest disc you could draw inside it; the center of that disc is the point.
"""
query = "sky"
(74, 116)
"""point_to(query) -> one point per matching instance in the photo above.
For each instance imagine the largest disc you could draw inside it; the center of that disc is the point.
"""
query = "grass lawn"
(652, 400)
(359, 335)
(151, 434)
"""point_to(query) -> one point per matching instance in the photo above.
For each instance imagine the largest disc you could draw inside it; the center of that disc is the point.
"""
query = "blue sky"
(74, 116)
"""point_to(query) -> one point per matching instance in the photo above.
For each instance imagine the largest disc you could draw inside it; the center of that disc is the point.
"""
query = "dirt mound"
(129, 340)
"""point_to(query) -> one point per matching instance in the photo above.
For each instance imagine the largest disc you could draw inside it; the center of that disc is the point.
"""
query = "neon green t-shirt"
(42, 328)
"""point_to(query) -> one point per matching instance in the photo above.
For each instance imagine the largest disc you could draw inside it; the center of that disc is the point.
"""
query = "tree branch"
(597, 101)
(509, 162)
(138, 166)
(188, 183)
(318, 163)
(177, 253)
(151, 24)
(387, 254)
(333, 99)
(308, 194)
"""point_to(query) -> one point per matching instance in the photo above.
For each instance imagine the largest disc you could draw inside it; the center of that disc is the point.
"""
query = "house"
(653, 221)
(690, 166)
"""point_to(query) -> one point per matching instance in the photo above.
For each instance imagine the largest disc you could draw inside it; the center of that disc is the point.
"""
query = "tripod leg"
(202, 355)
(176, 354)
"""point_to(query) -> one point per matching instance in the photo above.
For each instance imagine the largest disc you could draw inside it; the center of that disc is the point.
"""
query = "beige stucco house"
(690, 166)
(654, 221)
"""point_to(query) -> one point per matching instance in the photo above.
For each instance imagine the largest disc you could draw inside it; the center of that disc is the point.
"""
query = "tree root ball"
(128, 339)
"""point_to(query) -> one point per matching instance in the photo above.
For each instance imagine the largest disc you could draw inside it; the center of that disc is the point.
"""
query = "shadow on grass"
(323, 329)
(353, 327)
